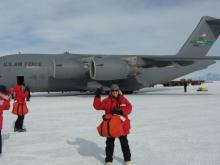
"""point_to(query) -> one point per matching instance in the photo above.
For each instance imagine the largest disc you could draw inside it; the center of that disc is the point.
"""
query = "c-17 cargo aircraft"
(86, 72)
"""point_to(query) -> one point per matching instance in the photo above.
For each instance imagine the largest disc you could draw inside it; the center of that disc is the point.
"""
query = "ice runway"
(169, 127)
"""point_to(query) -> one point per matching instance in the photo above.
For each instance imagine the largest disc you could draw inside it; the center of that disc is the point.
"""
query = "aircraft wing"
(163, 61)
(180, 58)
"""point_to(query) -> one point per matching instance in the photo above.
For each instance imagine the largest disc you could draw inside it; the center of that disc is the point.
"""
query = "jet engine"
(108, 69)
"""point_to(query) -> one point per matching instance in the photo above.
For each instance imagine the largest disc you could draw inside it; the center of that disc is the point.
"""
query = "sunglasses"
(114, 90)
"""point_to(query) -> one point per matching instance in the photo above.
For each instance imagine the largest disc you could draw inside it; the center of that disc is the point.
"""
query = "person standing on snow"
(4, 105)
(20, 93)
(115, 103)
(185, 84)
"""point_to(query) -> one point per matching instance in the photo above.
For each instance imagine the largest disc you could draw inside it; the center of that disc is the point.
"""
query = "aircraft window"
(59, 65)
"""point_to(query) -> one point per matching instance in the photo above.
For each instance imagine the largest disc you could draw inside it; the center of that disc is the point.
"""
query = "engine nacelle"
(108, 69)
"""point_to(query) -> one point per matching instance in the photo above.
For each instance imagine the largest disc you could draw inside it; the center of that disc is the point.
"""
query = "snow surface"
(169, 127)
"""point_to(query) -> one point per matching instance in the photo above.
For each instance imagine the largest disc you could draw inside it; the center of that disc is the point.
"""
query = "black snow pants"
(19, 122)
(109, 150)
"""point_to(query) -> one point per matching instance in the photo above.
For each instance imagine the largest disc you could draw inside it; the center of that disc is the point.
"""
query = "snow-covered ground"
(169, 127)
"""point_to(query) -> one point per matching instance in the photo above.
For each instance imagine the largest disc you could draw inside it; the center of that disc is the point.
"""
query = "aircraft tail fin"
(202, 38)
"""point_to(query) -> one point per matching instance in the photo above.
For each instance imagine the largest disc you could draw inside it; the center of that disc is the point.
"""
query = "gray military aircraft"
(86, 72)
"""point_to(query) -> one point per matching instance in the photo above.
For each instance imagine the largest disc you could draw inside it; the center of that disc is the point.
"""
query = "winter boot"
(22, 130)
(128, 163)
(108, 163)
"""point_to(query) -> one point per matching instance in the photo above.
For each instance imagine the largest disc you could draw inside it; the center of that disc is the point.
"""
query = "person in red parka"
(4, 105)
(20, 94)
(115, 103)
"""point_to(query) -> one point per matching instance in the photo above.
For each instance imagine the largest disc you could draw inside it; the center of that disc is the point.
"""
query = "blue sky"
(102, 26)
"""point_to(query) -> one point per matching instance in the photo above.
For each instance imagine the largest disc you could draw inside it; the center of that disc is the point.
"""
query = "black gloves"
(117, 111)
(98, 92)
(28, 97)
(27, 89)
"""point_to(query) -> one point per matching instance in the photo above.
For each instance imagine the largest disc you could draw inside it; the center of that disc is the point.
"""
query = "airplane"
(87, 72)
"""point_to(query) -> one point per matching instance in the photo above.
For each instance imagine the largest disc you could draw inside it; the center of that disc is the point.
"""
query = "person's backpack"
(111, 126)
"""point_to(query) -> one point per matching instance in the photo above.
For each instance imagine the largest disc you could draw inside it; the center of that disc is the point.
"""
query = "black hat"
(3, 88)
(20, 80)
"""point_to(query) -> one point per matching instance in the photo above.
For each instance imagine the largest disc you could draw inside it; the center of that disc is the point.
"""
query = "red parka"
(110, 103)
(4, 105)
(19, 95)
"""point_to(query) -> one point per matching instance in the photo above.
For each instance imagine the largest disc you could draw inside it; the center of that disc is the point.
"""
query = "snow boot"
(128, 163)
(22, 130)
(108, 163)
